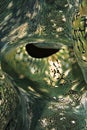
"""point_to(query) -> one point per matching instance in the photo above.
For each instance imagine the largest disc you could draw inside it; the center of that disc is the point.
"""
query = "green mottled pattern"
(80, 37)
(43, 93)
(8, 100)
(52, 76)
(37, 21)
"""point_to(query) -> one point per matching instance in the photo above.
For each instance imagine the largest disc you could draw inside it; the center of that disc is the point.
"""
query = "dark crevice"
(37, 52)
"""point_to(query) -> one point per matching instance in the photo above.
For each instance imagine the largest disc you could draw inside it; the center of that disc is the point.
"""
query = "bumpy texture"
(8, 100)
(80, 37)
(43, 65)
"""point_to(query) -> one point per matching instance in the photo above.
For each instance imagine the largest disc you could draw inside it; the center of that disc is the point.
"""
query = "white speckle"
(18, 50)
(2, 77)
(70, 6)
(56, 86)
(10, 5)
(57, 36)
(60, 29)
(62, 118)
(52, 20)
(60, 11)
(84, 101)
(73, 122)
(28, 14)
(46, 72)
(0, 102)
(64, 18)
(32, 70)
(54, 25)
(67, 72)
(86, 29)
(8, 17)
(61, 114)
(66, 5)
(44, 122)
(54, 97)
(19, 56)
(53, 129)
(84, 58)
(60, 97)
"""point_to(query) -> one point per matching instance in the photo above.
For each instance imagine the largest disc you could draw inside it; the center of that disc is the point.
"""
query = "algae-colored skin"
(46, 91)
(51, 76)
(8, 101)
(80, 37)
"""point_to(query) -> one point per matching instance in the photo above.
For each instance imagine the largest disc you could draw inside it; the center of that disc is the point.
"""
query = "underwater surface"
(43, 65)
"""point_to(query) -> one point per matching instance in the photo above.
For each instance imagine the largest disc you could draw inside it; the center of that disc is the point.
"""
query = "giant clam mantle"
(38, 64)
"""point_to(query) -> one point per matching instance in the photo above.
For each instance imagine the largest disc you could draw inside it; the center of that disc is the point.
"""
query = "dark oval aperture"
(37, 52)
